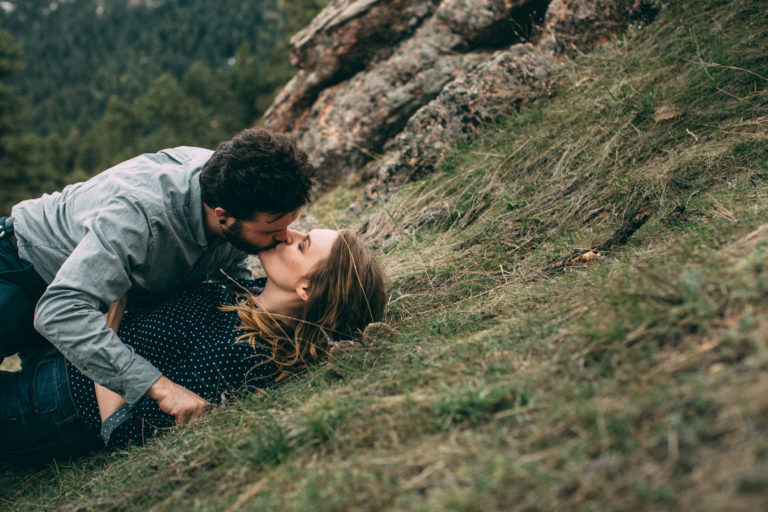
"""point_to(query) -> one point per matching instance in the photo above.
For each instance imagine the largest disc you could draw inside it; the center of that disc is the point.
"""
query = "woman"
(215, 339)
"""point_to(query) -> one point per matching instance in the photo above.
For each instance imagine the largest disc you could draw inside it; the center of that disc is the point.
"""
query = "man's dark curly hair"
(257, 172)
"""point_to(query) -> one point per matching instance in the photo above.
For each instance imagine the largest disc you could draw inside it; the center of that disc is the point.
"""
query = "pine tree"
(11, 105)
(11, 122)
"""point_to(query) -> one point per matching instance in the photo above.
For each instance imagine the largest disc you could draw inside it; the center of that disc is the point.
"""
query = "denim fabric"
(20, 289)
(38, 418)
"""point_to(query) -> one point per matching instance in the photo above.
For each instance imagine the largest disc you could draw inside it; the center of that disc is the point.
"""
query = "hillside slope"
(580, 299)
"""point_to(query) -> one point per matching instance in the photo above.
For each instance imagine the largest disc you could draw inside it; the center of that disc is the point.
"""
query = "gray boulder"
(387, 87)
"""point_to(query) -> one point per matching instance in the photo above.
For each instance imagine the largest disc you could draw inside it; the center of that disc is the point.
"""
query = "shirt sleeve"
(213, 371)
(97, 273)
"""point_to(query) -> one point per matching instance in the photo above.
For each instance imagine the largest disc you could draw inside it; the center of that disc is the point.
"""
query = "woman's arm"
(205, 359)
(109, 401)
(214, 371)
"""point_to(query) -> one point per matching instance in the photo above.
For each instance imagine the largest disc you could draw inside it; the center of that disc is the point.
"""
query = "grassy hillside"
(582, 317)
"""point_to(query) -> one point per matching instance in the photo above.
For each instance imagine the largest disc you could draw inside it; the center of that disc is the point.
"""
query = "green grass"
(522, 378)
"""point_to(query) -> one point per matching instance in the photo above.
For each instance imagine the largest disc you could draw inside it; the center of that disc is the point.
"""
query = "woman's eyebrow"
(308, 240)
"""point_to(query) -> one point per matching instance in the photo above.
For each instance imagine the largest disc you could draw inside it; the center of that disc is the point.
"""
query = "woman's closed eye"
(304, 243)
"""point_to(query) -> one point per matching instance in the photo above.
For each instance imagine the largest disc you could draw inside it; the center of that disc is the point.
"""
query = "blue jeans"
(20, 289)
(38, 418)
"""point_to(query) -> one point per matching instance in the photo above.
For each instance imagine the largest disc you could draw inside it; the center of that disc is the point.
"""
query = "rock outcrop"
(587, 23)
(492, 88)
(390, 85)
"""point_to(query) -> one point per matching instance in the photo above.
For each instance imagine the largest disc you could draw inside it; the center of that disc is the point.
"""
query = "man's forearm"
(78, 330)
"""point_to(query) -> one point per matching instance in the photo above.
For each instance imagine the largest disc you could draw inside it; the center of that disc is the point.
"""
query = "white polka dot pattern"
(193, 343)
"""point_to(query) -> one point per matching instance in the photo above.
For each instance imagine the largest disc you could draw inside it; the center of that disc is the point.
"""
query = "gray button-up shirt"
(138, 226)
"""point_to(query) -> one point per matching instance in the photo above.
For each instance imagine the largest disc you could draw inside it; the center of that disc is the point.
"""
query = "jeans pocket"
(51, 393)
(44, 387)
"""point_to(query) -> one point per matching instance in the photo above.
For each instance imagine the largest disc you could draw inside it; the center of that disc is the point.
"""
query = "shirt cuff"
(113, 422)
(134, 382)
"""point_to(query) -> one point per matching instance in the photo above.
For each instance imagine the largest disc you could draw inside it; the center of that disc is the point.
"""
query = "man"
(146, 227)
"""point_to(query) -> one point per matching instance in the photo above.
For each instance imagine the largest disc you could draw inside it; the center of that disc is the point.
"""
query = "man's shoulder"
(162, 183)
(153, 176)
(188, 154)
(166, 160)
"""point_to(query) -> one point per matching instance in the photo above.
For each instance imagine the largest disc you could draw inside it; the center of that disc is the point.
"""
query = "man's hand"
(177, 401)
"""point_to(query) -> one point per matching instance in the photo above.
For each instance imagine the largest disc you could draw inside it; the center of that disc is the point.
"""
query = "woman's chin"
(263, 257)
(265, 254)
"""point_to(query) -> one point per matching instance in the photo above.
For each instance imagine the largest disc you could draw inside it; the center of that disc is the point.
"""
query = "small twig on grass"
(515, 269)
(445, 306)
(673, 365)
(516, 411)
(698, 54)
(400, 297)
(734, 96)
(248, 495)
(625, 231)
(418, 482)
(706, 64)
(620, 237)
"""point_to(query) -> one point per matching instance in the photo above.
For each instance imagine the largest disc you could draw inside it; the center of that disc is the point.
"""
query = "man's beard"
(232, 235)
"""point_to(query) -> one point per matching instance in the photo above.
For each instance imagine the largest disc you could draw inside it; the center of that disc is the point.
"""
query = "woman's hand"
(109, 401)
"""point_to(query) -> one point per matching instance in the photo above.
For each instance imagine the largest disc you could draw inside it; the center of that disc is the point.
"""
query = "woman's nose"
(281, 236)
(289, 236)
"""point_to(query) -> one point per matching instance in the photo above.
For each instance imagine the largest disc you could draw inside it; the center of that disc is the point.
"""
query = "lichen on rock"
(390, 85)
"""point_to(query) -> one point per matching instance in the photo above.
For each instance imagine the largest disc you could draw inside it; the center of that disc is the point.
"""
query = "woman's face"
(287, 264)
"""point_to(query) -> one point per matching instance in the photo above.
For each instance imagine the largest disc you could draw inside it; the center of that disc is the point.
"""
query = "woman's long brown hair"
(347, 292)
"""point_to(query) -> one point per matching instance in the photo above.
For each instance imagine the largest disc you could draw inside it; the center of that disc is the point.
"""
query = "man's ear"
(221, 214)
(302, 290)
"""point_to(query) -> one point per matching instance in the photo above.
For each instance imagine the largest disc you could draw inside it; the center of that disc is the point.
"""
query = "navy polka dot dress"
(193, 343)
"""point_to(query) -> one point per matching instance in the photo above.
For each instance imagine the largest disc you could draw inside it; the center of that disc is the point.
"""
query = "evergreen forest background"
(85, 84)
